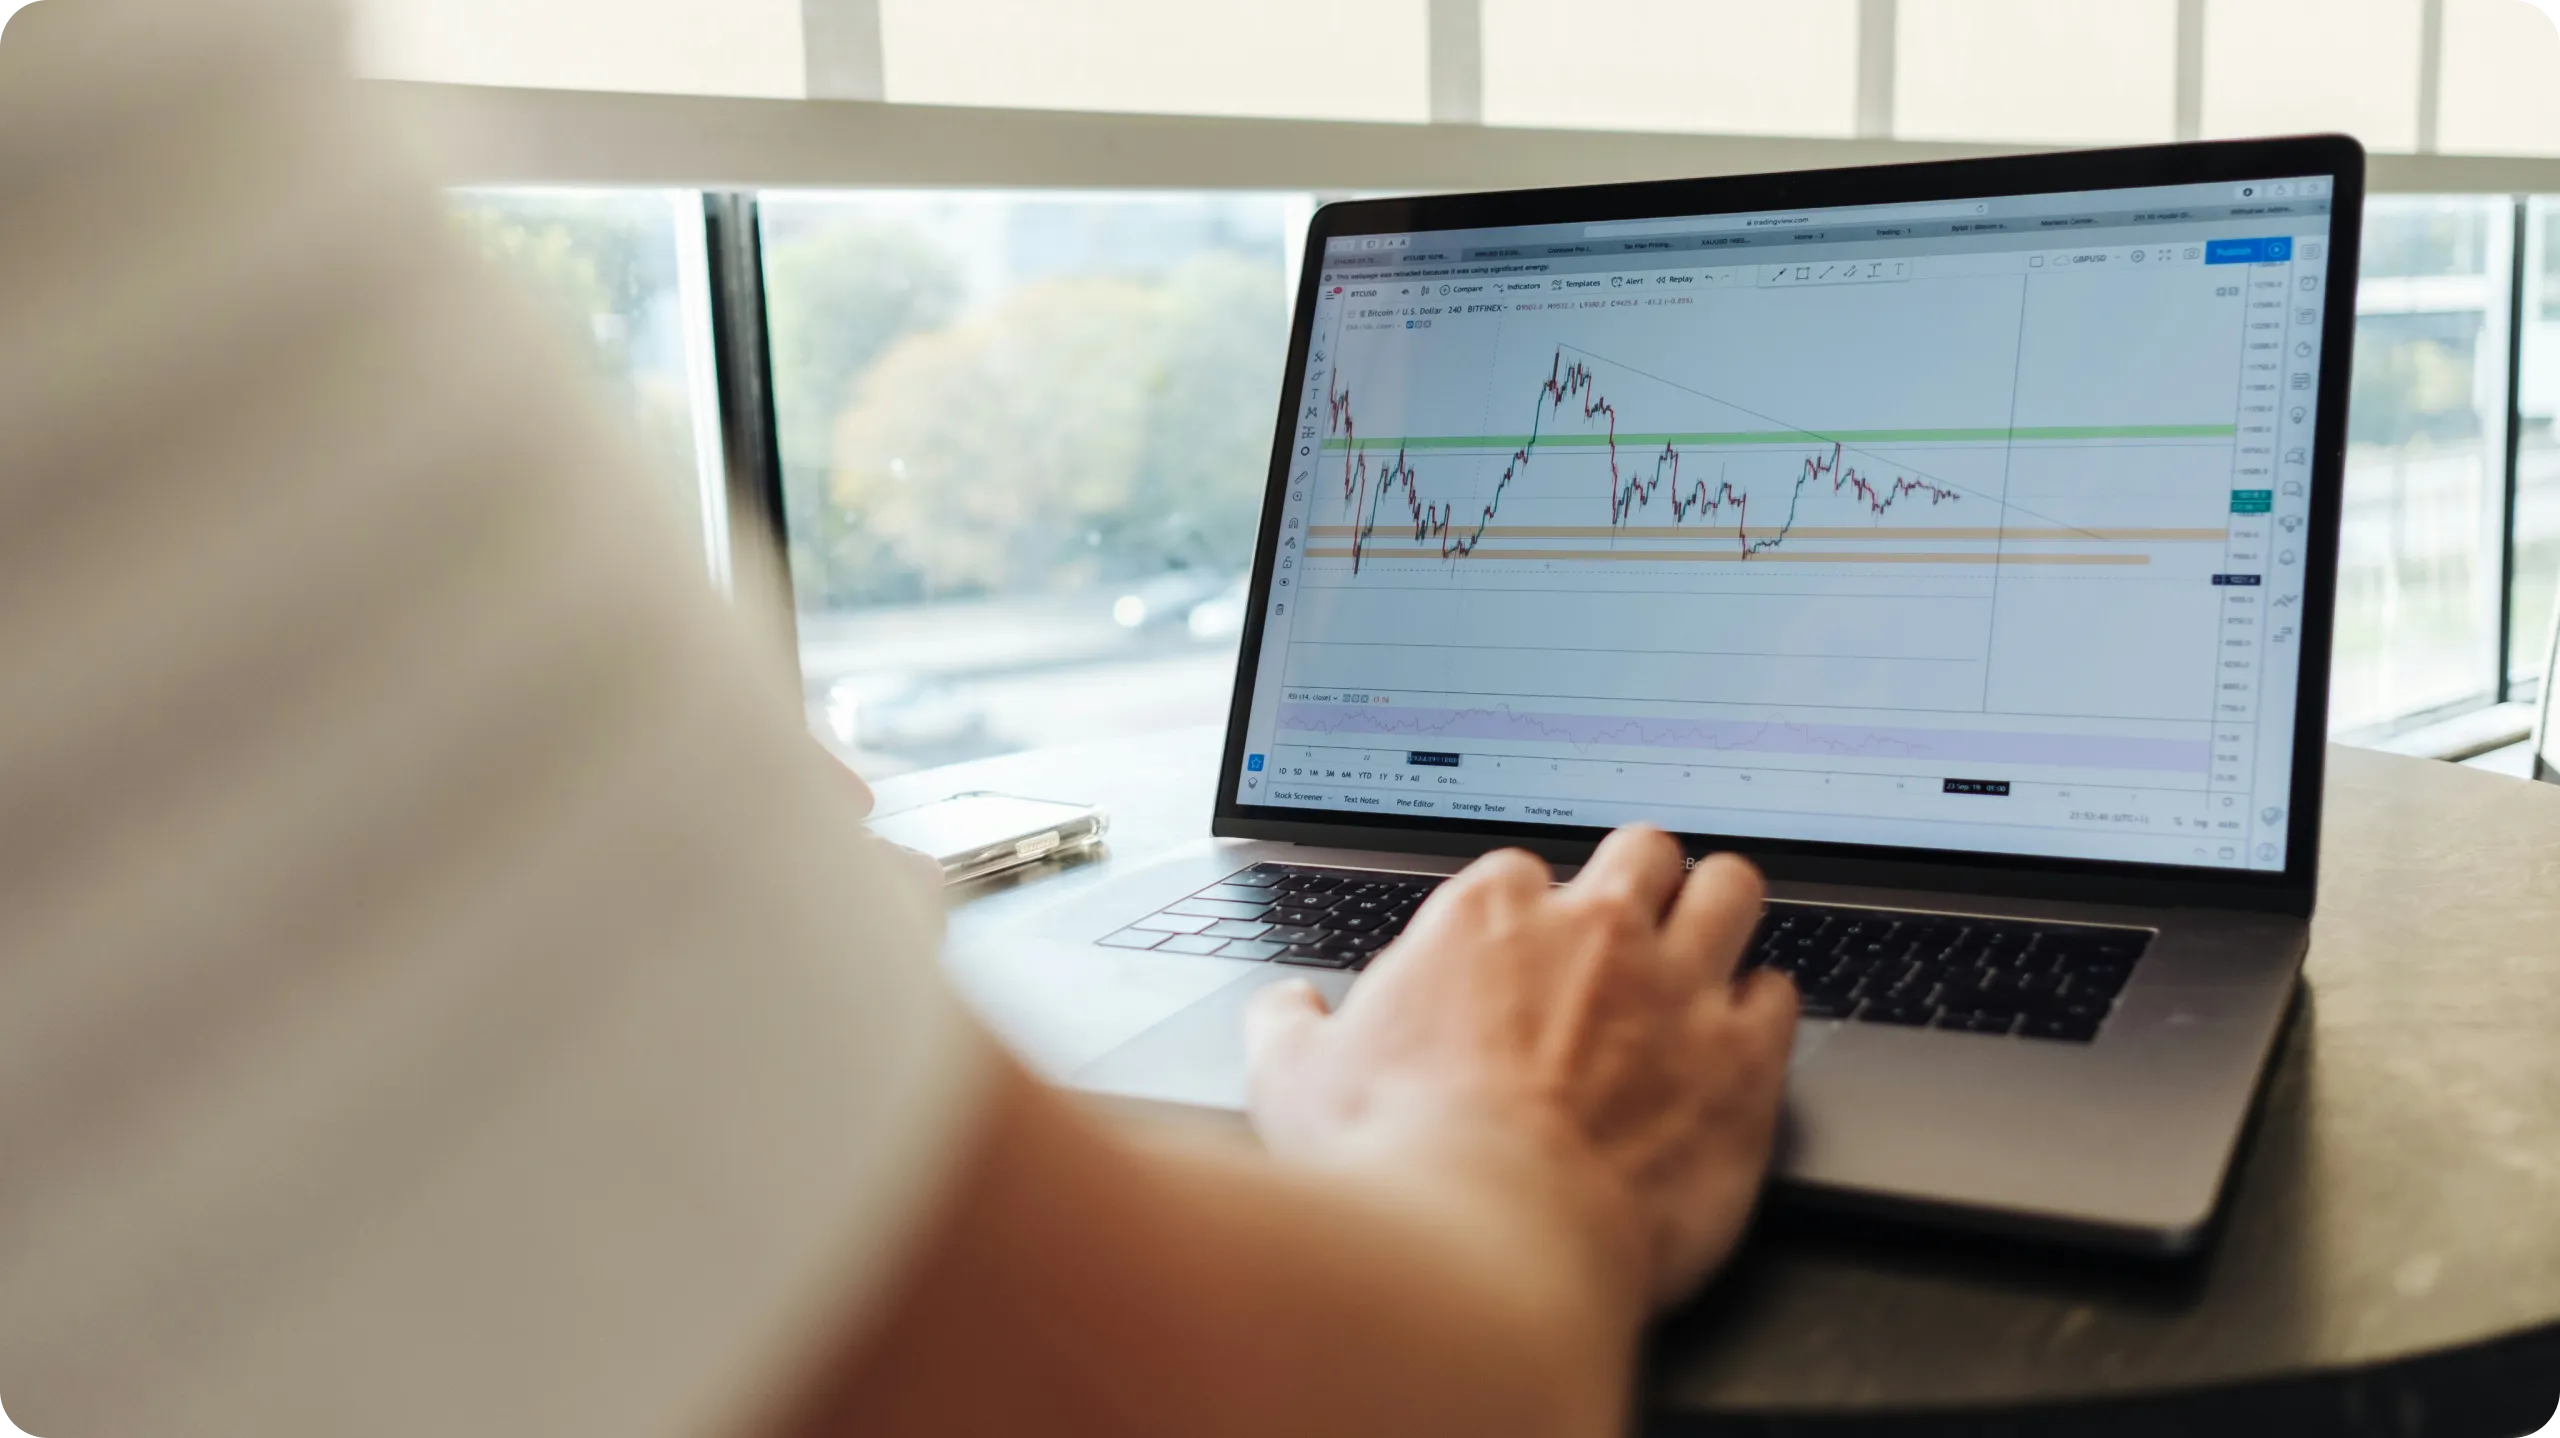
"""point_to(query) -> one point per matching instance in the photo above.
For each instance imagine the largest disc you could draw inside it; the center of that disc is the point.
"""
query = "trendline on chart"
(1366, 493)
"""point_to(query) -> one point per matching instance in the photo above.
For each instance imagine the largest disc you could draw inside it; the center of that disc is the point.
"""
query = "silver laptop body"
(1957, 540)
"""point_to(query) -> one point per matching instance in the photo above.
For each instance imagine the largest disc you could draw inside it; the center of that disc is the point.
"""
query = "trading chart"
(1857, 548)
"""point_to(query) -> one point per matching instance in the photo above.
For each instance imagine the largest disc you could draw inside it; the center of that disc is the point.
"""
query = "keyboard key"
(1251, 949)
(1216, 909)
(1309, 884)
(2102, 980)
(2031, 963)
(1315, 958)
(2078, 1031)
(1191, 944)
(1260, 876)
(1286, 935)
(2121, 946)
(1171, 923)
(1812, 1007)
(1294, 917)
(1132, 939)
(1901, 1015)
(1343, 955)
(1235, 894)
(2036, 986)
(1355, 923)
(1237, 929)
(1370, 942)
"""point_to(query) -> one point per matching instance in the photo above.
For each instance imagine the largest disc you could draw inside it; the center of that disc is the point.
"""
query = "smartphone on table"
(977, 834)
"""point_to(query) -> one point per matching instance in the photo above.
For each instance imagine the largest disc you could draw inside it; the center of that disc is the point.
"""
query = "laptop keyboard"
(1949, 971)
(1286, 913)
(1879, 966)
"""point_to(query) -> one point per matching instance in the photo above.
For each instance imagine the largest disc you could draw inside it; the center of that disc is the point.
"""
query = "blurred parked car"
(1170, 598)
(1220, 617)
(903, 714)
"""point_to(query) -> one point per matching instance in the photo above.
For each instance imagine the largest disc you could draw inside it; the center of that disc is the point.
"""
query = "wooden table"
(2389, 1262)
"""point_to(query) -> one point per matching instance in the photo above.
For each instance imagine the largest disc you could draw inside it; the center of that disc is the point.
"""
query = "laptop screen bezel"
(2291, 890)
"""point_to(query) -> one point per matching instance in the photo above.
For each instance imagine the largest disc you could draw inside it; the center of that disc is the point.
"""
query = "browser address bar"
(1880, 215)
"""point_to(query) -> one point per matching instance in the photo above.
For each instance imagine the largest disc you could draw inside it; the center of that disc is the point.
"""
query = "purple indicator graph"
(1751, 736)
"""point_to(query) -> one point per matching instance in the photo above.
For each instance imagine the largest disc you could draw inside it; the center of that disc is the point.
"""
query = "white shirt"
(441, 988)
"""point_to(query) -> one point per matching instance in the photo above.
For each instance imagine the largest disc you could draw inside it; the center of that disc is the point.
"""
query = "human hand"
(854, 784)
(922, 870)
(1584, 1051)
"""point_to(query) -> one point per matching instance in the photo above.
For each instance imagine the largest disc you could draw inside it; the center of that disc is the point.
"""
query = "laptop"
(1957, 541)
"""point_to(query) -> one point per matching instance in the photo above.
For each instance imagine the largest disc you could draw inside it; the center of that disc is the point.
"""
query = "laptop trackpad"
(1196, 1057)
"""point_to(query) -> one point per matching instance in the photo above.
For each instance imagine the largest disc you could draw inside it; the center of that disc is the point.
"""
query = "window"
(2028, 70)
(1730, 66)
(2426, 450)
(623, 274)
(1326, 59)
(1022, 430)
(1024, 439)
(2537, 532)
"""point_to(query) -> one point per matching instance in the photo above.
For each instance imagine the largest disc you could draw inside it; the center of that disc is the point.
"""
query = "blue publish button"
(2274, 250)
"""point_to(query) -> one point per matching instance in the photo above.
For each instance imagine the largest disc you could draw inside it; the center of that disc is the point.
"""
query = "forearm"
(1079, 1285)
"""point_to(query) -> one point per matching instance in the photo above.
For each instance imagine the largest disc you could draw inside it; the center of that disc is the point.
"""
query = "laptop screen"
(1960, 526)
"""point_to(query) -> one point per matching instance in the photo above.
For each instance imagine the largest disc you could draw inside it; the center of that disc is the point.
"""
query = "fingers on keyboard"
(1322, 918)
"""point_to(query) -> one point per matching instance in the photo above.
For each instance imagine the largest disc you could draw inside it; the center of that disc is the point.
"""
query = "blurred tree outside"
(837, 296)
(1066, 429)
(2425, 237)
(2414, 379)
(603, 264)
(1083, 429)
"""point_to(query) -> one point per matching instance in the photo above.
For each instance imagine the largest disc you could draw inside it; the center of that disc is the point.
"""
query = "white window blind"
(1320, 59)
(1725, 66)
(2288, 66)
(2036, 71)
(697, 47)
(2501, 91)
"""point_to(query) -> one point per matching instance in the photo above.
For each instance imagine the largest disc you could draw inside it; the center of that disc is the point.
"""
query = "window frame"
(500, 137)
